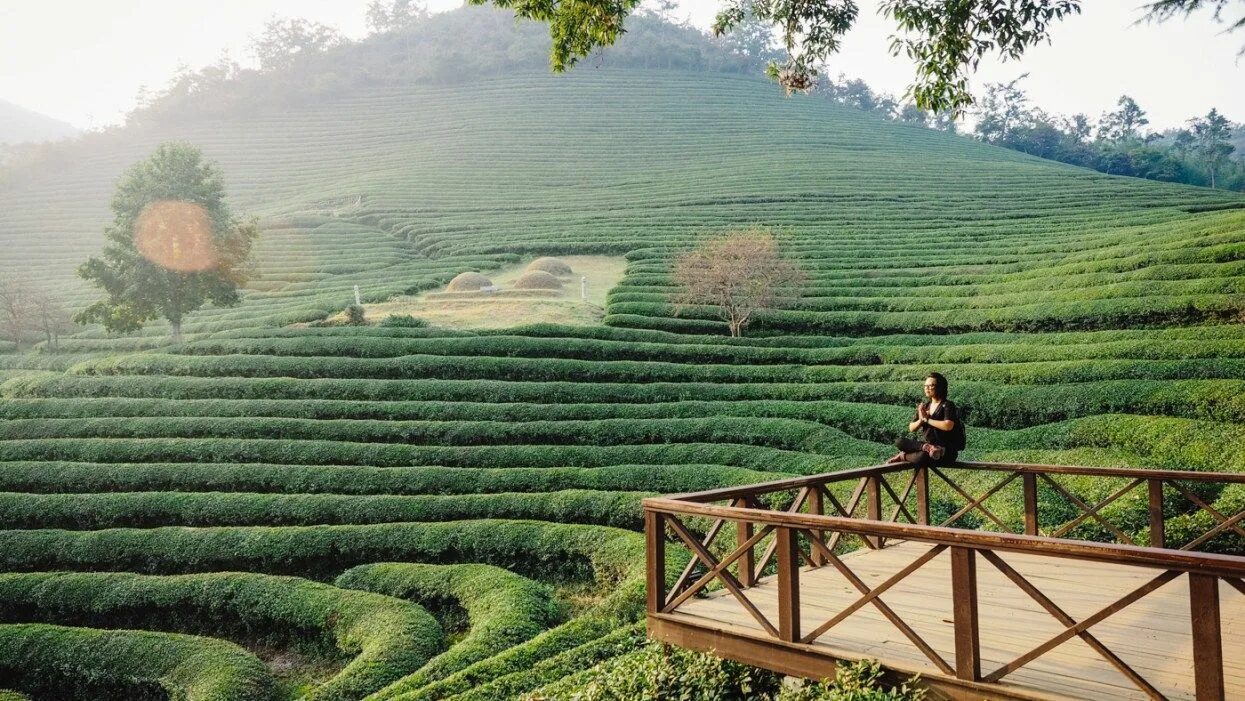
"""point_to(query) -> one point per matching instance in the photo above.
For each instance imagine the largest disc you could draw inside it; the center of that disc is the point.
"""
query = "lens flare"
(176, 235)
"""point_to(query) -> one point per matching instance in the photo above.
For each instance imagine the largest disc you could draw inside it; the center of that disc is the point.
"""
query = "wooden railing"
(811, 522)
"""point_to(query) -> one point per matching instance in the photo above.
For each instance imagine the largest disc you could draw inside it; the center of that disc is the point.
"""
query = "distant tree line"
(1205, 152)
(1208, 151)
(407, 45)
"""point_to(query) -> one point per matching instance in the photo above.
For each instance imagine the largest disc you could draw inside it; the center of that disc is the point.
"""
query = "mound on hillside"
(468, 282)
(553, 266)
(537, 280)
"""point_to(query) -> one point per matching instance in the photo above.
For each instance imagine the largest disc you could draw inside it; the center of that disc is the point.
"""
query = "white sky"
(83, 61)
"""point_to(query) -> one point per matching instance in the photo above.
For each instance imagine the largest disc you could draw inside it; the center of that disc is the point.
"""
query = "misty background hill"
(20, 125)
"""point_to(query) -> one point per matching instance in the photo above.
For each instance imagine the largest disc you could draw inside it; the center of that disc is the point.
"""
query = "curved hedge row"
(554, 369)
(392, 454)
(321, 552)
(567, 663)
(384, 638)
(858, 353)
(130, 664)
(987, 403)
(73, 477)
(151, 509)
(503, 609)
(774, 433)
(1115, 313)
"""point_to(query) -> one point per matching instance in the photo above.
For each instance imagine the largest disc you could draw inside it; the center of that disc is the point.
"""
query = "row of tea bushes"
(382, 637)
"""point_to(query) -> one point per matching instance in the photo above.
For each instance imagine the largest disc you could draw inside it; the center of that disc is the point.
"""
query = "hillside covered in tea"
(276, 510)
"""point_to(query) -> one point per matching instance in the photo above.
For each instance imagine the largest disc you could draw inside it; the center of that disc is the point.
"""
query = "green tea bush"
(503, 609)
(658, 671)
(138, 665)
(387, 638)
(858, 681)
(550, 551)
(150, 509)
(404, 321)
(79, 478)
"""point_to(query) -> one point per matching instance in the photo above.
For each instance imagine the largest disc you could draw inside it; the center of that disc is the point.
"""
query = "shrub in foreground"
(136, 665)
(386, 637)
(659, 672)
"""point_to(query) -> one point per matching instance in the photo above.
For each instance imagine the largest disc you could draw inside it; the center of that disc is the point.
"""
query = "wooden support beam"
(873, 487)
(655, 560)
(788, 584)
(746, 565)
(1158, 534)
(964, 612)
(1207, 638)
(816, 506)
(922, 496)
(1031, 503)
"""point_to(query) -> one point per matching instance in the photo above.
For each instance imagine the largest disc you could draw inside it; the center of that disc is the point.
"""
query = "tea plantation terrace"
(270, 510)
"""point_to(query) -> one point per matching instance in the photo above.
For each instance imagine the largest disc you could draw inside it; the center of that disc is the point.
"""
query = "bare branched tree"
(50, 317)
(28, 311)
(16, 310)
(738, 273)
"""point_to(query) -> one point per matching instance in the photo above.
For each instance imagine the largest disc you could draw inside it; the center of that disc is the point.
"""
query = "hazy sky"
(83, 61)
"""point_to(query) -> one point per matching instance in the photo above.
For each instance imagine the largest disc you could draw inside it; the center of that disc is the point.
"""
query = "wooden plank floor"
(1152, 635)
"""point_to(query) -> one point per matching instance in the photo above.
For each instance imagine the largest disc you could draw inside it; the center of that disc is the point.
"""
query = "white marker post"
(358, 302)
(583, 289)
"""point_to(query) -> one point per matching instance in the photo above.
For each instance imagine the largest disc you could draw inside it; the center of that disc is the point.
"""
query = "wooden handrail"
(1144, 473)
(1141, 556)
(779, 485)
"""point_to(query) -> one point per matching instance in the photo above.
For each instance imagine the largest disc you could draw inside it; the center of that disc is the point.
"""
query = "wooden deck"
(1022, 611)
(1152, 635)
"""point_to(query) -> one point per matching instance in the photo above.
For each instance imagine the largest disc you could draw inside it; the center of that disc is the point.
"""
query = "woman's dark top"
(952, 440)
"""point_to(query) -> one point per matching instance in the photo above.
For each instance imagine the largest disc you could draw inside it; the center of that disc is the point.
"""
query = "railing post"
(964, 612)
(1158, 535)
(1207, 641)
(746, 565)
(1031, 502)
(788, 584)
(816, 507)
(922, 496)
(873, 489)
(655, 560)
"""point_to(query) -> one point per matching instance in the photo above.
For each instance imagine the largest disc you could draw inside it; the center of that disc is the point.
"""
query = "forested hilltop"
(273, 509)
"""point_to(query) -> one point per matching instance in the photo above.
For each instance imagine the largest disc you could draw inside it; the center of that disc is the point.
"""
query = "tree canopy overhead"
(946, 39)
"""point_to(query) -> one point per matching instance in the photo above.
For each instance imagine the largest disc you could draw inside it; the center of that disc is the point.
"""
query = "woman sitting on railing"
(940, 419)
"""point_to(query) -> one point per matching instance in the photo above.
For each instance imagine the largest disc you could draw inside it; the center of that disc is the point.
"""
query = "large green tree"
(173, 245)
(946, 39)
(1212, 141)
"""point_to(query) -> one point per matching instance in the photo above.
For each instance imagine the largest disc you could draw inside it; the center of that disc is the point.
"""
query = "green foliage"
(355, 315)
(503, 609)
(659, 671)
(286, 41)
(385, 637)
(126, 664)
(150, 509)
(160, 264)
(1198, 155)
(858, 681)
(567, 552)
(403, 321)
